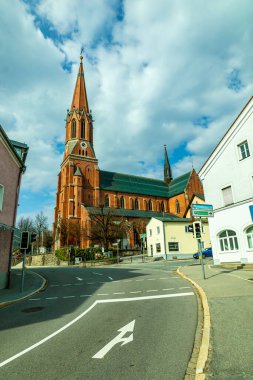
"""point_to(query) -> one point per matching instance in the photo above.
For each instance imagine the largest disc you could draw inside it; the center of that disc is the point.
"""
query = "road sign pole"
(201, 255)
(23, 271)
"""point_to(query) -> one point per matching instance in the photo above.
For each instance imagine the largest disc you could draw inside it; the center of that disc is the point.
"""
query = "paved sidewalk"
(230, 298)
(33, 282)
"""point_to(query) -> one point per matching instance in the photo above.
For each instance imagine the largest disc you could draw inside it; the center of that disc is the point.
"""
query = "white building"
(170, 237)
(227, 178)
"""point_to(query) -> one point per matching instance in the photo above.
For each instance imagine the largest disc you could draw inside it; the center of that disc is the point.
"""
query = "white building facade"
(170, 237)
(227, 177)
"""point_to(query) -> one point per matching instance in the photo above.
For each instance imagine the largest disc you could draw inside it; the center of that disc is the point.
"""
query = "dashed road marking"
(102, 294)
(55, 285)
(140, 279)
(69, 297)
(153, 290)
(185, 287)
(34, 299)
(168, 289)
(99, 274)
(86, 295)
(137, 291)
(51, 298)
(151, 279)
(120, 293)
(67, 284)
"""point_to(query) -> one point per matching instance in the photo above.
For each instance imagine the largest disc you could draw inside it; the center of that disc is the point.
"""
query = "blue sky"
(163, 72)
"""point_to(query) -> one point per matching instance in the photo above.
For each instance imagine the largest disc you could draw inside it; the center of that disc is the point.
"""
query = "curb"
(44, 282)
(205, 339)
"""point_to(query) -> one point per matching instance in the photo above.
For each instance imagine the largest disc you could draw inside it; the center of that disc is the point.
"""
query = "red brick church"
(83, 187)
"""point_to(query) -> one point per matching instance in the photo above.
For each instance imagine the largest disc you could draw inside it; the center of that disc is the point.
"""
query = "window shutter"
(227, 196)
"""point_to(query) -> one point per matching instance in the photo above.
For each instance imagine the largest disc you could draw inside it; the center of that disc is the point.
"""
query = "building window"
(173, 246)
(1, 197)
(249, 235)
(82, 129)
(73, 129)
(150, 232)
(162, 206)
(158, 230)
(177, 207)
(227, 196)
(151, 250)
(244, 150)
(107, 203)
(122, 202)
(132, 203)
(228, 241)
(150, 207)
(158, 247)
(136, 204)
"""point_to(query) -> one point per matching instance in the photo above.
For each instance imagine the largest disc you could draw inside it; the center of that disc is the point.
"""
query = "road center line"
(132, 299)
(51, 298)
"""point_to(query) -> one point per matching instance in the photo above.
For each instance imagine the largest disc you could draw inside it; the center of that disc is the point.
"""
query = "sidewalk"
(33, 282)
(230, 298)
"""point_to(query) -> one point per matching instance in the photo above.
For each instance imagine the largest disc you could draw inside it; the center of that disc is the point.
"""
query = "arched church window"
(107, 203)
(122, 202)
(82, 129)
(136, 204)
(150, 206)
(177, 207)
(73, 129)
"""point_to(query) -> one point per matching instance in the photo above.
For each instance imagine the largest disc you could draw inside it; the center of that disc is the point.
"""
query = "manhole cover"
(32, 309)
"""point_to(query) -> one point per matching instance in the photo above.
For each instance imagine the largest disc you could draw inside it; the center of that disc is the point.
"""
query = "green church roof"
(126, 183)
(178, 185)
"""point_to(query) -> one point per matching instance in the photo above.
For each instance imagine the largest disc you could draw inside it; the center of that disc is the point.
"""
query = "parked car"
(205, 253)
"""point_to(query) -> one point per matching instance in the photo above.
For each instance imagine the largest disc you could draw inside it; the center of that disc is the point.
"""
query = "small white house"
(227, 177)
(170, 238)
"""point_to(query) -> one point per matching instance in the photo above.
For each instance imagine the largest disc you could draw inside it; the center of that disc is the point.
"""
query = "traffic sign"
(205, 214)
(202, 209)
(201, 206)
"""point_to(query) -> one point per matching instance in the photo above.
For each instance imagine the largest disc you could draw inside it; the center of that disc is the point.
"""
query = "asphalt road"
(122, 322)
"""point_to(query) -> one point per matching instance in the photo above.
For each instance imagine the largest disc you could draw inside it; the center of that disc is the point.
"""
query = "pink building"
(12, 166)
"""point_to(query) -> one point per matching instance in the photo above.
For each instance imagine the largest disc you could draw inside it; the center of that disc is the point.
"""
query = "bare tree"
(105, 228)
(25, 224)
(69, 232)
(40, 225)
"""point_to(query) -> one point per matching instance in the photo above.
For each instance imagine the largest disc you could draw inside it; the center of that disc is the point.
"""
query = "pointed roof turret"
(167, 169)
(80, 101)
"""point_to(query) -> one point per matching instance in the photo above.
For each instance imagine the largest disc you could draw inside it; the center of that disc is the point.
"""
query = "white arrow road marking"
(65, 327)
(79, 279)
(118, 339)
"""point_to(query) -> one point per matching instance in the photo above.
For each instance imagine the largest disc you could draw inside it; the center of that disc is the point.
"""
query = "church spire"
(167, 169)
(80, 101)
(79, 123)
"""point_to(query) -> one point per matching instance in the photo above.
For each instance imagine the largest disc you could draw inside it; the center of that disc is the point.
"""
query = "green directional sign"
(206, 214)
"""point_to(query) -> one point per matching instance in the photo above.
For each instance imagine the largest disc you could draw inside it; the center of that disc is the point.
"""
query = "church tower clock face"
(83, 145)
